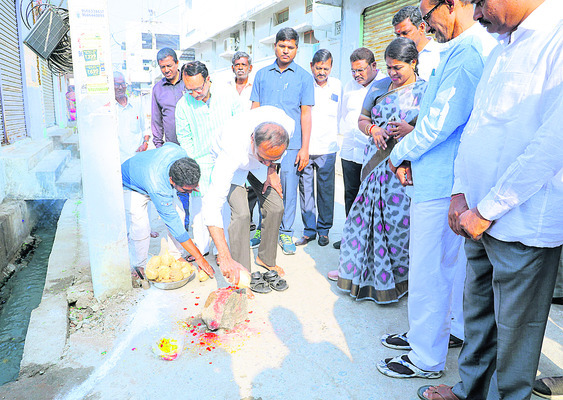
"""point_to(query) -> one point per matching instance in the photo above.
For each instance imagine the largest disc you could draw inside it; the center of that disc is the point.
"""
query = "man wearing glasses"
(200, 115)
(364, 73)
(251, 146)
(424, 160)
(158, 175)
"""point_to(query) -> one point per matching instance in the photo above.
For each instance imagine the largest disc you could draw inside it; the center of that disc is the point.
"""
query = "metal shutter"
(377, 29)
(10, 75)
(48, 92)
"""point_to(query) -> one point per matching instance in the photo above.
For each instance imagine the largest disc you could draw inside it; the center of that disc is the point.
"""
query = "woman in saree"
(374, 249)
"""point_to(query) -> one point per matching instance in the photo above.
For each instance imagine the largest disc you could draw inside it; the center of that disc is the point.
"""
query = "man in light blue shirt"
(425, 160)
(157, 175)
(286, 85)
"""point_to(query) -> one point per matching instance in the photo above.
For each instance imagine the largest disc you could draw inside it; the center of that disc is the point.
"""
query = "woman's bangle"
(370, 128)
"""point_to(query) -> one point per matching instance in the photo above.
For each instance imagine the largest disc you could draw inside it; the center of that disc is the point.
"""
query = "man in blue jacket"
(158, 175)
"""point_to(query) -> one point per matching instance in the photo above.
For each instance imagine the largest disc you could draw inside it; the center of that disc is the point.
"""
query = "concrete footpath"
(309, 342)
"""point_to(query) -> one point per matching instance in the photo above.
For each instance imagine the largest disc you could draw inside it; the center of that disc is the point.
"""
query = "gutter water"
(23, 291)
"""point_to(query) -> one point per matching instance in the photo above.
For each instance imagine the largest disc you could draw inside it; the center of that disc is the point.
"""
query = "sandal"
(191, 258)
(258, 284)
(440, 392)
(549, 388)
(402, 367)
(399, 341)
(276, 283)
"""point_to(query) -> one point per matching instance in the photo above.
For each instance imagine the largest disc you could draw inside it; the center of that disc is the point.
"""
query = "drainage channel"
(23, 291)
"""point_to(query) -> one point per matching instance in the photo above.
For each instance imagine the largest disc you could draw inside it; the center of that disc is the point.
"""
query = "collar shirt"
(244, 96)
(428, 59)
(164, 98)
(147, 172)
(234, 157)
(432, 145)
(510, 161)
(288, 89)
(324, 128)
(353, 141)
(197, 124)
(130, 128)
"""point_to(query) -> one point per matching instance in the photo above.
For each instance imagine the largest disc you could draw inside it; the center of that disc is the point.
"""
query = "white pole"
(99, 149)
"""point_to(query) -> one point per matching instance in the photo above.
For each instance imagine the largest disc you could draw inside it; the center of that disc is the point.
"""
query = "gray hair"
(185, 172)
(241, 54)
(322, 55)
(271, 132)
(411, 12)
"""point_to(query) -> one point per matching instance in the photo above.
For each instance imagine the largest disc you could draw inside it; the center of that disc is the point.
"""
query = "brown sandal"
(440, 392)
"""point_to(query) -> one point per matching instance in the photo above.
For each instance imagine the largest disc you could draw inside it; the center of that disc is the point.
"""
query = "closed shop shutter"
(48, 93)
(377, 29)
(10, 75)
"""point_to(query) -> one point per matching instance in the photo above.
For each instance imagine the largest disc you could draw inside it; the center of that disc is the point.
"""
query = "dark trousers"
(507, 296)
(351, 172)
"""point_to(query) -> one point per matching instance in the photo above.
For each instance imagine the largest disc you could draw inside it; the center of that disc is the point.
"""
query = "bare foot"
(154, 234)
(276, 268)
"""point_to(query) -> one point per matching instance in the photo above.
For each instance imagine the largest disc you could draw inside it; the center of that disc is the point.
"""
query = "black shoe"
(336, 245)
(323, 240)
(304, 240)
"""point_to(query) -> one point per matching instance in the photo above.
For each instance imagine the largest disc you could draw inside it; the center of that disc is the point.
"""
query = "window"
(281, 17)
(123, 47)
(308, 6)
(172, 41)
(146, 65)
(146, 40)
(309, 37)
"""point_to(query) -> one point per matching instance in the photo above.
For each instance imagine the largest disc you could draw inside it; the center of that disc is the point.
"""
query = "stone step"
(71, 143)
(49, 169)
(69, 184)
(58, 136)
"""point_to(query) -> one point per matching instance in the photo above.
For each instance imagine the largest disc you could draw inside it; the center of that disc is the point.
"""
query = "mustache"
(483, 21)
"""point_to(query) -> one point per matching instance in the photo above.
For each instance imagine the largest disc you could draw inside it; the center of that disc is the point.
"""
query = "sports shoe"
(286, 243)
(255, 241)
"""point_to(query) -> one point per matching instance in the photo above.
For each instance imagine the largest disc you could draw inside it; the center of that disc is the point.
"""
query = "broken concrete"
(225, 308)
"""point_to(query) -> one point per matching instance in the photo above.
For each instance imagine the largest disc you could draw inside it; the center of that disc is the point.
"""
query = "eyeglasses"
(427, 16)
(198, 89)
(262, 160)
(120, 84)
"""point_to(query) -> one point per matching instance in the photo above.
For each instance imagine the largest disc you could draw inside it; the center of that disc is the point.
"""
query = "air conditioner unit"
(230, 44)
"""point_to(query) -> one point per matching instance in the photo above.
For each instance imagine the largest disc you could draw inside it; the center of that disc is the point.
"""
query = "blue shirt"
(432, 145)
(288, 89)
(148, 173)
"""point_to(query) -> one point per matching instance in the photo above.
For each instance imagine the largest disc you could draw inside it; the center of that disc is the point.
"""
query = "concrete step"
(69, 184)
(49, 169)
(58, 136)
(71, 143)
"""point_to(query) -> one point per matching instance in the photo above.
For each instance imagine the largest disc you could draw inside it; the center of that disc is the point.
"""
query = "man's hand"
(458, 206)
(143, 147)
(231, 269)
(399, 129)
(403, 172)
(273, 180)
(302, 159)
(205, 266)
(473, 223)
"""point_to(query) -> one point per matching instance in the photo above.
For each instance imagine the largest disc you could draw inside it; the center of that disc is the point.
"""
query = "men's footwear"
(305, 239)
(255, 241)
(549, 388)
(402, 367)
(323, 240)
(440, 392)
(286, 243)
(333, 275)
(191, 258)
(399, 341)
(396, 341)
(336, 245)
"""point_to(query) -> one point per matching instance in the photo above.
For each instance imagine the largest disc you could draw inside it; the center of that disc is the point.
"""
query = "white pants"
(139, 229)
(436, 279)
(199, 229)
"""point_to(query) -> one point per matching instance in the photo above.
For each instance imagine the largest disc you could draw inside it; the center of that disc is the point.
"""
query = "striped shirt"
(197, 124)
